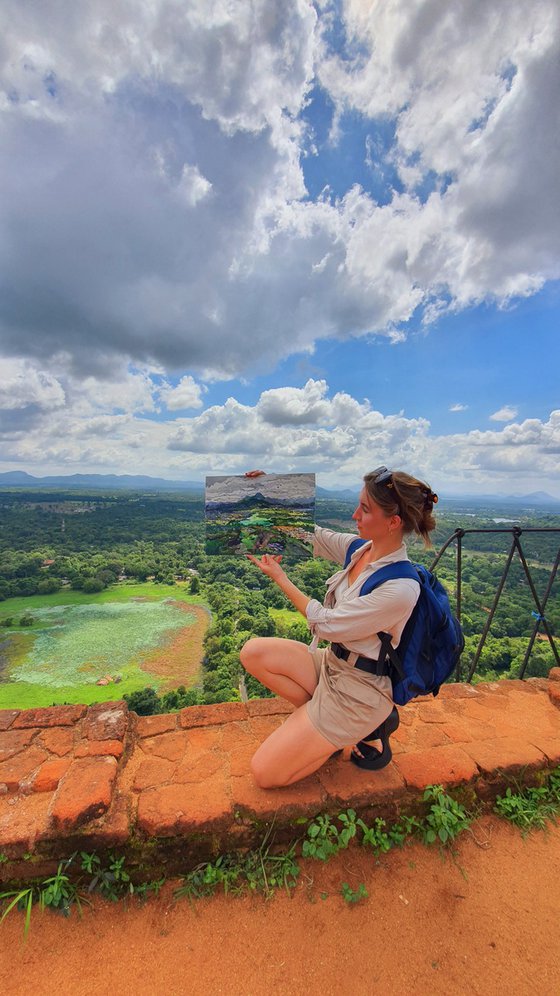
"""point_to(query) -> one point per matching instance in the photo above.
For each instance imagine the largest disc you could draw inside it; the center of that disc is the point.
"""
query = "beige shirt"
(352, 619)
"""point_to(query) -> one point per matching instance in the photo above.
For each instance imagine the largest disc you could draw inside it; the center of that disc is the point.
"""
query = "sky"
(294, 236)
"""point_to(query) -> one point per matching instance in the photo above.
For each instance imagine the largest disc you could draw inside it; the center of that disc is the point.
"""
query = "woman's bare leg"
(296, 749)
(284, 666)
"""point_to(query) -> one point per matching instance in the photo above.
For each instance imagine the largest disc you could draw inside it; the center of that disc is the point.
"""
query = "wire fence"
(466, 673)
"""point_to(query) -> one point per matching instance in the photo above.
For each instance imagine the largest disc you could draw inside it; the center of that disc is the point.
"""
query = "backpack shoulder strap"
(399, 569)
(354, 545)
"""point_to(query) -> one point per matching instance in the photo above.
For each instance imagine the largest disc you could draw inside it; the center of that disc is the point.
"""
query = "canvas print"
(260, 514)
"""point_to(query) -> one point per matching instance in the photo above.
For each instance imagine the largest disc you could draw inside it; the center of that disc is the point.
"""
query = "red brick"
(269, 707)
(84, 793)
(549, 746)
(59, 741)
(441, 765)
(14, 741)
(153, 771)
(553, 675)
(18, 770)
(172, 810)
(554, 693)
(171, 746)
(432, 712)
(98, 748)
(457, 690)
(203, 739)
(25, 820)
(348, 785)
(107, 721)
(241, 750)
(305, 798)
(7, 717)
(212, 715)
(429, 735)
(52, 716)
(196, 767)
(150, 726)
(49, 774)
(507, 754)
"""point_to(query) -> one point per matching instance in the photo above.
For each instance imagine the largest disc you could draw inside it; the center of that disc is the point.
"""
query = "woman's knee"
(262, 774)
(253, 652)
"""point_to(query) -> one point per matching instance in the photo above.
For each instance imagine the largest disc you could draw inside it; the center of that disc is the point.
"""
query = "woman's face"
(372, 522)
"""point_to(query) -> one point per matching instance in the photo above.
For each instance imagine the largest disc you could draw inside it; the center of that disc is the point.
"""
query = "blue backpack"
(432, 640)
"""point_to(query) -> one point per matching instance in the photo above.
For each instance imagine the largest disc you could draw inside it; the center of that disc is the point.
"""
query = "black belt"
(362, 663)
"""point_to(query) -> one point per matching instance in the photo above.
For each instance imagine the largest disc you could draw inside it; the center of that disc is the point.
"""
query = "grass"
(52, 663)
(287, 616)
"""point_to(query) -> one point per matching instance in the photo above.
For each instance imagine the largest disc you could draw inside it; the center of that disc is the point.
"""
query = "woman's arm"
(270, 566)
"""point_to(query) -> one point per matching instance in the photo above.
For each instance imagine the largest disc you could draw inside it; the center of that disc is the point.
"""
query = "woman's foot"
(374, 751)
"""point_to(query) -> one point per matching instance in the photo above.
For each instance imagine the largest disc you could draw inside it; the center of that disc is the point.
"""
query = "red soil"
(485, 922)
(179, 660)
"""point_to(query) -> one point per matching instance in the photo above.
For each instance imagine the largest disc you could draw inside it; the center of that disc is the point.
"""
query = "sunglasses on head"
(381, 476)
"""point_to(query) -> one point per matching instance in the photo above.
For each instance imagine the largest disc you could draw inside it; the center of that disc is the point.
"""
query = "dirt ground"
(485, 922)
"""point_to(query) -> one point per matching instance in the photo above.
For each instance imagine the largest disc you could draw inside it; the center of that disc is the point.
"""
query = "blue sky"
(315, 236)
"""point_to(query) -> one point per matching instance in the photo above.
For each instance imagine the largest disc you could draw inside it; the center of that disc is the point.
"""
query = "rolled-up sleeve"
(384, 610)
(331, 545)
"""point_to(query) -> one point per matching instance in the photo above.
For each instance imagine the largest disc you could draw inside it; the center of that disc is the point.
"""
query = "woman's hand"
(269, 565)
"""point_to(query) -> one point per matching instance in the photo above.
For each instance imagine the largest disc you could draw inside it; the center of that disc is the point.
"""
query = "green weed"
(531, 808)
(57, 893)
(446, 817)
(351, 895)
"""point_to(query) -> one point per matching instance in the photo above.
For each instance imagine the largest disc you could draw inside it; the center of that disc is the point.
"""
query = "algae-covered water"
(73, 645)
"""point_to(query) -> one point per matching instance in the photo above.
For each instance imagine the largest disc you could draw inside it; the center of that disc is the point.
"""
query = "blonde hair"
(406, 496)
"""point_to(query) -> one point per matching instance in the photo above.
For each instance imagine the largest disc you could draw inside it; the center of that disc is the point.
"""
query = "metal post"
(492, 611)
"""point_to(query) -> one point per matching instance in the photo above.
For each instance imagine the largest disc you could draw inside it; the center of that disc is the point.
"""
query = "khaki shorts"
(347, 704)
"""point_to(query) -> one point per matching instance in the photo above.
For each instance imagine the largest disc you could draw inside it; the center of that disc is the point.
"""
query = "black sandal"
(373, 759)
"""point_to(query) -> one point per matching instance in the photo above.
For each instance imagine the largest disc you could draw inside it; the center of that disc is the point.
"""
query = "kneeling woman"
(337, 703)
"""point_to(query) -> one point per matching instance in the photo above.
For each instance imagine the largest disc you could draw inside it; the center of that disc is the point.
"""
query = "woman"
(337, 702)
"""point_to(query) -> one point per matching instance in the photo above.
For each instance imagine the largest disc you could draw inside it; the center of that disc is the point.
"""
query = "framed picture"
(266, 514)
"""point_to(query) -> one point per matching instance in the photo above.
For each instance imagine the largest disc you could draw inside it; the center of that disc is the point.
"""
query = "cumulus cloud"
(285, 430)
(505, 414)
(187, 394)
(154, 204)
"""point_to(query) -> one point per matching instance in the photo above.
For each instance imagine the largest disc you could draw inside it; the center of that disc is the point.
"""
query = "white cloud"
(154, 208)
(505, 414)
(458, 407)
(22, 385)
(286, 430)
(187, 394)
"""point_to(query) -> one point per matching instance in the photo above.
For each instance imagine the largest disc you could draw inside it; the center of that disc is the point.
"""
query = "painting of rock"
(266, 514)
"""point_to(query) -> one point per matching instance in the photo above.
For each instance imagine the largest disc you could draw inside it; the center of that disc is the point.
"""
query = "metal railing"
(540, 604)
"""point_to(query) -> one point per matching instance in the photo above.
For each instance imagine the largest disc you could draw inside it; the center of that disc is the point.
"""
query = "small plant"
(112, 882)
(446, 818)
(351, 895)
(58, 893)
(258, 871)
(325, 839)
(376, 836)
(531, 807)
(3, 857)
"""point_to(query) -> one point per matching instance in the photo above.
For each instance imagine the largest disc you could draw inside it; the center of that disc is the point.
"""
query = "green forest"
(97, 543)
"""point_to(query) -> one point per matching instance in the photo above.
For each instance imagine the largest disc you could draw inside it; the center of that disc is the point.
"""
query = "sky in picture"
(302, 237)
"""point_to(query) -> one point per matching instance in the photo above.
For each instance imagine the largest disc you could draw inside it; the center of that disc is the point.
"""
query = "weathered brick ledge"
(169, 789)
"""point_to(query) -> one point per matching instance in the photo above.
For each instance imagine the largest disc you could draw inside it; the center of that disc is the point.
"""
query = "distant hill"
(125, 482)
(142, 482)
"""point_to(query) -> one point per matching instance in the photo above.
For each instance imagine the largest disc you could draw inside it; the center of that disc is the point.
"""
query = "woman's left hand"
(269, 565)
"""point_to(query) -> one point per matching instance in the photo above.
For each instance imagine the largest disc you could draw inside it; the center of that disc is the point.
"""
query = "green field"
(76, 639)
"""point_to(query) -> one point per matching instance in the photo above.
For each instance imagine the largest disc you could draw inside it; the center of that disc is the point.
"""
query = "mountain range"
(135, 482)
